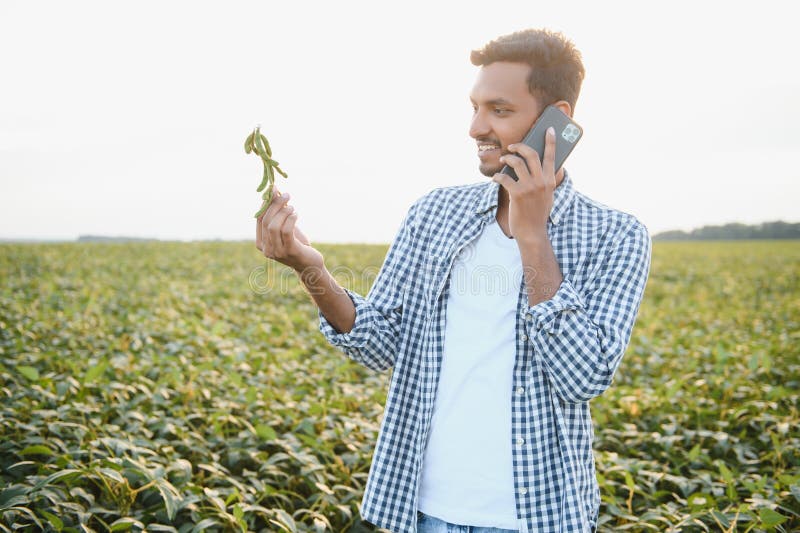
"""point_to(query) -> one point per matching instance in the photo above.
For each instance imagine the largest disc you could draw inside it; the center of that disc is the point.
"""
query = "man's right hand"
(278, 238)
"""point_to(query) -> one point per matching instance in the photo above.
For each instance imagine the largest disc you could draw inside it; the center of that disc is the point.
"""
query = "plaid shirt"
(568, 348)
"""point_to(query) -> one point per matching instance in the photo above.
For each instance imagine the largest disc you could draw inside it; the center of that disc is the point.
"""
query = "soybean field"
(168, 386)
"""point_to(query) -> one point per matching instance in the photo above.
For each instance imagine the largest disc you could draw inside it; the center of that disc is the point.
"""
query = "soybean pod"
(264, 179)
(262, 210)
(248, 143)
(266, 145)
(257, 143)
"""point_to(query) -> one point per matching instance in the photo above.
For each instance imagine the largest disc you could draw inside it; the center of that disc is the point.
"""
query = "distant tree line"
(767, 230)
(106, 238)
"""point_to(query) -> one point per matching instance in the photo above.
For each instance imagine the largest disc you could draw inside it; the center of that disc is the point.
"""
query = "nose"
(479, 127)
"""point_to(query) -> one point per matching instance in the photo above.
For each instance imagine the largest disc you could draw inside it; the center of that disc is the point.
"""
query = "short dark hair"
(556, 66)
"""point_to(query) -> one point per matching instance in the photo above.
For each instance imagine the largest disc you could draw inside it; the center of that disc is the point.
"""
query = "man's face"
(503, 111)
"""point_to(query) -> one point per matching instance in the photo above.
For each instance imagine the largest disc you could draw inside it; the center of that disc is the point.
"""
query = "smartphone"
(567, 135)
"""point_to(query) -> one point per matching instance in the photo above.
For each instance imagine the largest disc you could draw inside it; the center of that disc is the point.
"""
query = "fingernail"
(551, 131)
(286, 196)
(512, 146)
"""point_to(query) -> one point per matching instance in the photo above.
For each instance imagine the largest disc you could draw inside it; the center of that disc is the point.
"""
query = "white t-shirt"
(467, 475)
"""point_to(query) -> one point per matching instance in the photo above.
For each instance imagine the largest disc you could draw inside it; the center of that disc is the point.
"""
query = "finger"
(503, 179)
(274, 230)
(530, 156)
(518, 164)
(260, 226)
(287, 233)
(259, 233)
(301, 236)
(548, 166)
(275, 205)
(262, 235)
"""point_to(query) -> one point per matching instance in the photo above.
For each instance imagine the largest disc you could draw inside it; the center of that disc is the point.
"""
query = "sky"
(128, 118)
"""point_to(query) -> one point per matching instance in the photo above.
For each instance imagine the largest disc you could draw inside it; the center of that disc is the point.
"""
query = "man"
(487, 423)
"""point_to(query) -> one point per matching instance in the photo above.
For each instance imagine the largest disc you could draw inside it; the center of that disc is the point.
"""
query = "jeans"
(429, 524)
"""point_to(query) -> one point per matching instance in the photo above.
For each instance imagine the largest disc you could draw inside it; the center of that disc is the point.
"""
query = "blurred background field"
(180, 387)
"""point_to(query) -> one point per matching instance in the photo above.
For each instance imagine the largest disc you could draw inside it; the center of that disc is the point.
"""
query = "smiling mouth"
(488, 151)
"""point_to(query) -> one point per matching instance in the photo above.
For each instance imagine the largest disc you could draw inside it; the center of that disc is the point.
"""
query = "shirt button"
(520, 440)
(520, 390)
(523, 337)
(528, 316)
(523, 491)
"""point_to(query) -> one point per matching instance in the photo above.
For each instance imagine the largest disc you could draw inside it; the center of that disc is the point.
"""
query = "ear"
(564, 107)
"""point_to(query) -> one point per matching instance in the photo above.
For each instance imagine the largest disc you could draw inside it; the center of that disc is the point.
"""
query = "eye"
(500, 111)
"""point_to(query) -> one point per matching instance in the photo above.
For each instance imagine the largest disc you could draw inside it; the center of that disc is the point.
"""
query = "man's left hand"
(531, 198)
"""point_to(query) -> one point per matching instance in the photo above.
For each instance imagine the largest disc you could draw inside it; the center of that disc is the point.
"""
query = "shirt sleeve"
(373, 340)
(580, 337)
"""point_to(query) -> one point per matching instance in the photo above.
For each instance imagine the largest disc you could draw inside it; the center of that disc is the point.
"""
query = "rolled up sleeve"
(356, 337)
(543, 314)
(580, 337)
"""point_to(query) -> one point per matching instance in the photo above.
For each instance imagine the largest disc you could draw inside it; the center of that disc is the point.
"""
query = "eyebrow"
(495, 101)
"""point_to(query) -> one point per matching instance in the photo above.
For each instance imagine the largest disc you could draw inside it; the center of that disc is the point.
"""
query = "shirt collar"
(562, 198)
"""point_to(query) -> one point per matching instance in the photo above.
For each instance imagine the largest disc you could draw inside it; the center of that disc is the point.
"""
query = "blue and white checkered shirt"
(568, 348)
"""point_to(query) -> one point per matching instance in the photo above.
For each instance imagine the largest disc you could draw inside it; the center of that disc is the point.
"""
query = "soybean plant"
(257, 143)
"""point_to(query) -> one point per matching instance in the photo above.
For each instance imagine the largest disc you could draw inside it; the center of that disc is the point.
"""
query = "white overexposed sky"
(128, 118)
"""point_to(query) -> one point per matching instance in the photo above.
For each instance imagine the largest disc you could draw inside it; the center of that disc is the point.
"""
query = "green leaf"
(27, 512)
(265, 432)
(170, 495)
(235, 378)
(36, 449)
(111, 474)
(29, 372)
(795, 490)
(55, 521)
(284, 520)
(629, 481)
(700, 500)
(136, 466)
(13, 496)
(723, 519)
(124, 524)
(324, 488)
(251, 394)
(95, 372)
(694, 453)
(770, 518)
(204, 524)
(232, 497)
(307, 427)
(726, 474)
(68, 474)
